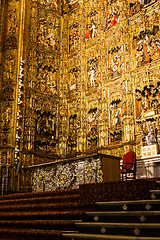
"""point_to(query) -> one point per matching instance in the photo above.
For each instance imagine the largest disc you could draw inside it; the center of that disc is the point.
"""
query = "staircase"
(72, 214)
(42, 215)
(125, 220)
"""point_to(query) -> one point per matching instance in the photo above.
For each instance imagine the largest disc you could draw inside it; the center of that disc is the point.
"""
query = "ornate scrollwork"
(68, 175)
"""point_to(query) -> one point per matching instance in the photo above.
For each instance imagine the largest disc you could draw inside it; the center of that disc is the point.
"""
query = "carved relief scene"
(73, 75)
(117, 111)
(12, 30)
(6, 124)
(53, 5)
(135, 5)
(45, 134)
(47, 73)
(147, 96)
(93, 117)
(73, 4)
(13, 13)
(147, 103)
(93, 19)
(116, 50)
(6, 116)
(74, 32)
(146, 41)
(115, 11)
(9, 69)
(93, 67)
(69, 5)
(49, 30)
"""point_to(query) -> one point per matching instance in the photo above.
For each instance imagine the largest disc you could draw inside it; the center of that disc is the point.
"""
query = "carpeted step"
(129, 229)
(23, 234)
(138, 205)
(41, 200)
(73, 191)
(123, 216)
(61, 225)
(48, 207)
(47, 215)
(73, 236)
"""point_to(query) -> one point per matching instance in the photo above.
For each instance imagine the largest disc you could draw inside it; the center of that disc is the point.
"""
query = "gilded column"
(12, 20)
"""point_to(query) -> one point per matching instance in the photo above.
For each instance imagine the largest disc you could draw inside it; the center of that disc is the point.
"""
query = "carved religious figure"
(113, 16)
(115, 112)
(151, 137)
(73, 75)
(92, 135)
(115, 61)
(45, 138)
(147, 100)
(146, 44)
(91, 30)
(92, 72)
(92, 24)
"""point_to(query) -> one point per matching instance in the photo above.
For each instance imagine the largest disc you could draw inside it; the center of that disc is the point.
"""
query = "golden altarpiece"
(76, 76)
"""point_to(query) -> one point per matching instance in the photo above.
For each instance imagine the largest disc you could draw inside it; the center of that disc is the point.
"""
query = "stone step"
(74, 236)
(158, 184)
(139, 205)
(157, 191)
(123, 225)
(130, 229)
(155, 194)
(126, 213)
(123, 216)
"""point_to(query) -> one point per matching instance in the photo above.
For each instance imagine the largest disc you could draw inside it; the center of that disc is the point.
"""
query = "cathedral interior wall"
(77, 77)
